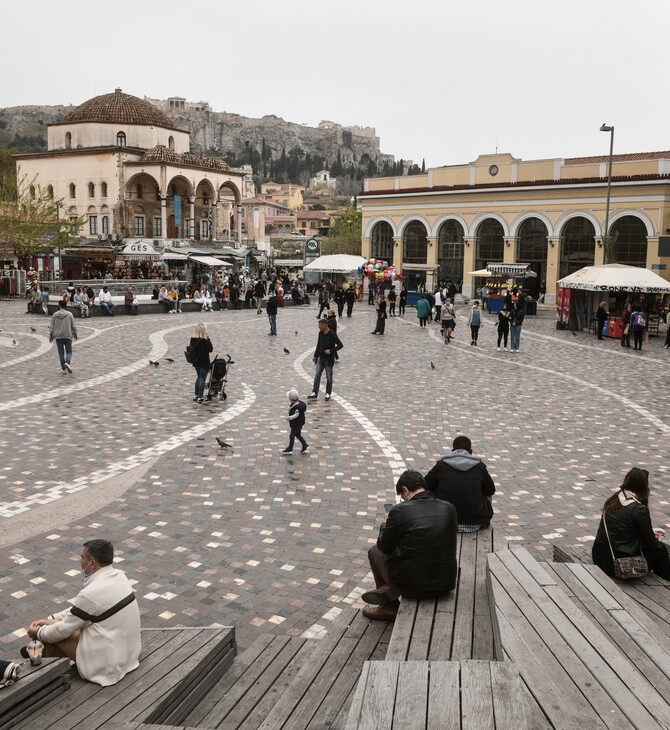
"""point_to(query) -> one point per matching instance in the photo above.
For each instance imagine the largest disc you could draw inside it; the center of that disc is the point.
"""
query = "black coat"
(466, 483)
(200, 349)
(629, 529)
(328, 341)
(419, 536)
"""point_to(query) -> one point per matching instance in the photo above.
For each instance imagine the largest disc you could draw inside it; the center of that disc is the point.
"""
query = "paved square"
(249, 537)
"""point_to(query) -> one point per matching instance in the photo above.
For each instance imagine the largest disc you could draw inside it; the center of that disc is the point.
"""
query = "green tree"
(347, 227)
(31, 220)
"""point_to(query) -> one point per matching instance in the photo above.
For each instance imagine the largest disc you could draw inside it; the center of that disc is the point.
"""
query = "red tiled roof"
(628, 157)
(118, 108)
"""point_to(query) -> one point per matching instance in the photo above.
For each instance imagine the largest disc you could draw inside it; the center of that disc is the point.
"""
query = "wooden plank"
(411, 702)
(539, 574)
(419, 646)
(32, 679)
(476, 697)
(482, 630)
(36, 705)
(241, 664)
(599, 592)
(498, 540)
(498, 650)
(509, 706)
(403, 627)
(537, 720)
(461, 645)
(443, 626)
(444, 710)
(380, 691)
(358, 699)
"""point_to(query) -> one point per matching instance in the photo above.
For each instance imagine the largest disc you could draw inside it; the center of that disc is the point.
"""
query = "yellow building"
(290, 196)
(546, 213)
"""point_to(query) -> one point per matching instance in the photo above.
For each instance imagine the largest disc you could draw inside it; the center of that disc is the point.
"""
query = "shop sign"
(312, 250)
(660, 267)
(139, 247)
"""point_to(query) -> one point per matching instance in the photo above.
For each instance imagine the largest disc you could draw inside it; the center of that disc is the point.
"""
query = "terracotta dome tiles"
(160, 153)
(119, 108)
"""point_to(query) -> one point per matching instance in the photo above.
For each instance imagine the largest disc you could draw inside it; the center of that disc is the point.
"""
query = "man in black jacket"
(463, 480)
(324, 357)
(415, 554)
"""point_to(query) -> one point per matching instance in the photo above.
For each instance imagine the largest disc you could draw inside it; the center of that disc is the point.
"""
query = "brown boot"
(380, 596)
(382, 613)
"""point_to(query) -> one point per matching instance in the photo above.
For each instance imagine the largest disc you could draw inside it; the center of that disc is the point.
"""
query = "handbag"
(627, 568)
(626, 329)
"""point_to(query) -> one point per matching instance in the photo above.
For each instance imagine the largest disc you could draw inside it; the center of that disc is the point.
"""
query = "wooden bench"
(455, 626)
(36, 687)
(478, 695)
(588, 655)
(177, 669)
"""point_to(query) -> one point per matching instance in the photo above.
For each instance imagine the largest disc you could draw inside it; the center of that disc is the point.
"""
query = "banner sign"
(177, 211)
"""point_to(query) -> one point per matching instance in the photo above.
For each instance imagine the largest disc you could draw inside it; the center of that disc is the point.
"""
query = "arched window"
(50, 191)
(68, 140)
(73, 190)
(450, 251)
(171, 142)
(140, 192)
(578, 244)
(103, 189)
(490, 243)
(32, 191)
(631, 241)
(105, 224)
(531, 248)
(382, 242)
(91, 190)
(415, 251)
(120, 139)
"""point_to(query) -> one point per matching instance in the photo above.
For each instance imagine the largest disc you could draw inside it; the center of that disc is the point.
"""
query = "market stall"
(137, 260)
(497, 278)
(580, 293)
(338, 267)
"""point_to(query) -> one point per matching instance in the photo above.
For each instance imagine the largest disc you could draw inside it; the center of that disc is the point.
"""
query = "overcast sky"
(438, 79)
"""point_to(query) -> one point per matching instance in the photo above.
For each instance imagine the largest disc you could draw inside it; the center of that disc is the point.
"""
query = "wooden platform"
(477, 695)
(177, 668)
(455, 626)
(282, 682)
(589, 656)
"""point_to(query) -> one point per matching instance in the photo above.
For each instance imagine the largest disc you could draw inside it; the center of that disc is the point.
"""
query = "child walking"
(296, 418)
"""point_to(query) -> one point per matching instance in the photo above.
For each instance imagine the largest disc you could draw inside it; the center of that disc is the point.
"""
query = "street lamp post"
(58, 207)
(610, 129)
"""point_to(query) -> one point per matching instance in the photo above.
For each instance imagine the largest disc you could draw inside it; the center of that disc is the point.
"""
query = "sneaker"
(68, 367)
(446, 342)
(304, 449)
(499, 349)
(312, 396)
(195, 398)
(472, 343)
(201, 400)
(287, 451)
(327, 396)
(505, 349)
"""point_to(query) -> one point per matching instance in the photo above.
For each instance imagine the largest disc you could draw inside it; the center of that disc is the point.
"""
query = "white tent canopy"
(616, 277)
(336, 264)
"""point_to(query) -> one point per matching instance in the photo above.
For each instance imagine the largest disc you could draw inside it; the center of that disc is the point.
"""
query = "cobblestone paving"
(249, 537)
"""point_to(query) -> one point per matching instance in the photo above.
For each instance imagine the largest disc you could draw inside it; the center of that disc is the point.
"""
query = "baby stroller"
(217, 378)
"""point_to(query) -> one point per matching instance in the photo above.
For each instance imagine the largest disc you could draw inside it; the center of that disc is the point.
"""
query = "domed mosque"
(122, 163)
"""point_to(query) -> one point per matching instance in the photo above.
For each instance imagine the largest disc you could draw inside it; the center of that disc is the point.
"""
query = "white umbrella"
(336, 264)
(616, 277)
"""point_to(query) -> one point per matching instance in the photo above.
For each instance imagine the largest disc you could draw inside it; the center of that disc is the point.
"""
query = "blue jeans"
(322, 363)
(109, 308)
(515, 332)
(200, 381)
(64, 347)
(273, 323)
(295, 434)
(133, 308)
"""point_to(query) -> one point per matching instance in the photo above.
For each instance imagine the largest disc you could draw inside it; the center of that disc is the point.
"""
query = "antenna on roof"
(496, 147)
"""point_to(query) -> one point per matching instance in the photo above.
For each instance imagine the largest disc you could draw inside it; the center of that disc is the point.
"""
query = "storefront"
(502, 278)
(580, 294)
(138, 260)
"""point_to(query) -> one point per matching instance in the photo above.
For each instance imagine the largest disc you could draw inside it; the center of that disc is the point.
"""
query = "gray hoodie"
(62, 326)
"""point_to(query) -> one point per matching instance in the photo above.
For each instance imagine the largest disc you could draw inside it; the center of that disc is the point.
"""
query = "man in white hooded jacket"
(101, 631)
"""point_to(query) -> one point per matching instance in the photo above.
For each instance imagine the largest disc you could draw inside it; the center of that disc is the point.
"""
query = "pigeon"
(432, 365)
(288, 352)
(296, 333)
(223, 444)
(169, 359)
(155, 364)
(32, 329)
(14, 342)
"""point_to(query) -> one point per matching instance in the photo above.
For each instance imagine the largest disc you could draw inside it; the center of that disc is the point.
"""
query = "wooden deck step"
(433, 694)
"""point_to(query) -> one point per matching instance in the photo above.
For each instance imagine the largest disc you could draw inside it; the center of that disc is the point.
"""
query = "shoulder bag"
(627, 568)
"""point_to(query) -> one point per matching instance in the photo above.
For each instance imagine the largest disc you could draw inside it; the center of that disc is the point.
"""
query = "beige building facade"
(546, 213)
(120, 162)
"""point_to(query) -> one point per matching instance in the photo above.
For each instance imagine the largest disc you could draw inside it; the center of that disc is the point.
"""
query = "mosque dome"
(160, 153)
(119, 108)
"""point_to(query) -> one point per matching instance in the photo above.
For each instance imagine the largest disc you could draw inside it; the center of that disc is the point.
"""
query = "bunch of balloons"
(378, 270)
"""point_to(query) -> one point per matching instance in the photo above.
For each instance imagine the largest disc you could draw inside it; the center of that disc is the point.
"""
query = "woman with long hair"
(199, 348)
(629, 528)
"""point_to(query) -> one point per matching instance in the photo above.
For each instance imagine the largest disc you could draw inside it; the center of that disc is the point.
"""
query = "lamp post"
(605, 128)
(58, 207)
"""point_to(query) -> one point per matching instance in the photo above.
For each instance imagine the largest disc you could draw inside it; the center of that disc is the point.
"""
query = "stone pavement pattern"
(249, 537)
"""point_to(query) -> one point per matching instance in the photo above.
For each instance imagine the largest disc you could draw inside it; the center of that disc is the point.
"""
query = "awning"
(209, 261)
(512, 270)
(288, 262)
(420, 267)
(616, 278)
(173, 256)
(336, 264)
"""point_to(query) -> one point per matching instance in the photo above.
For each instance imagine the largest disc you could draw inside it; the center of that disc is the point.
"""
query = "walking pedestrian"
(350, 297)
(296, 419)
(475, 322)
(601, 316)
(259, 291)
(422, 310)
(638, 323)
(381, 316)
(63, 329)
(271, 310)
(439, 301)
(403, 300)
(44, 300)
(327, 344)
(324, 300)
(392, 300)
(625, 326)
(198, 351)
(515, 320)
(339, 300)
(332, 325)
(447, 322)
(503, 326)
